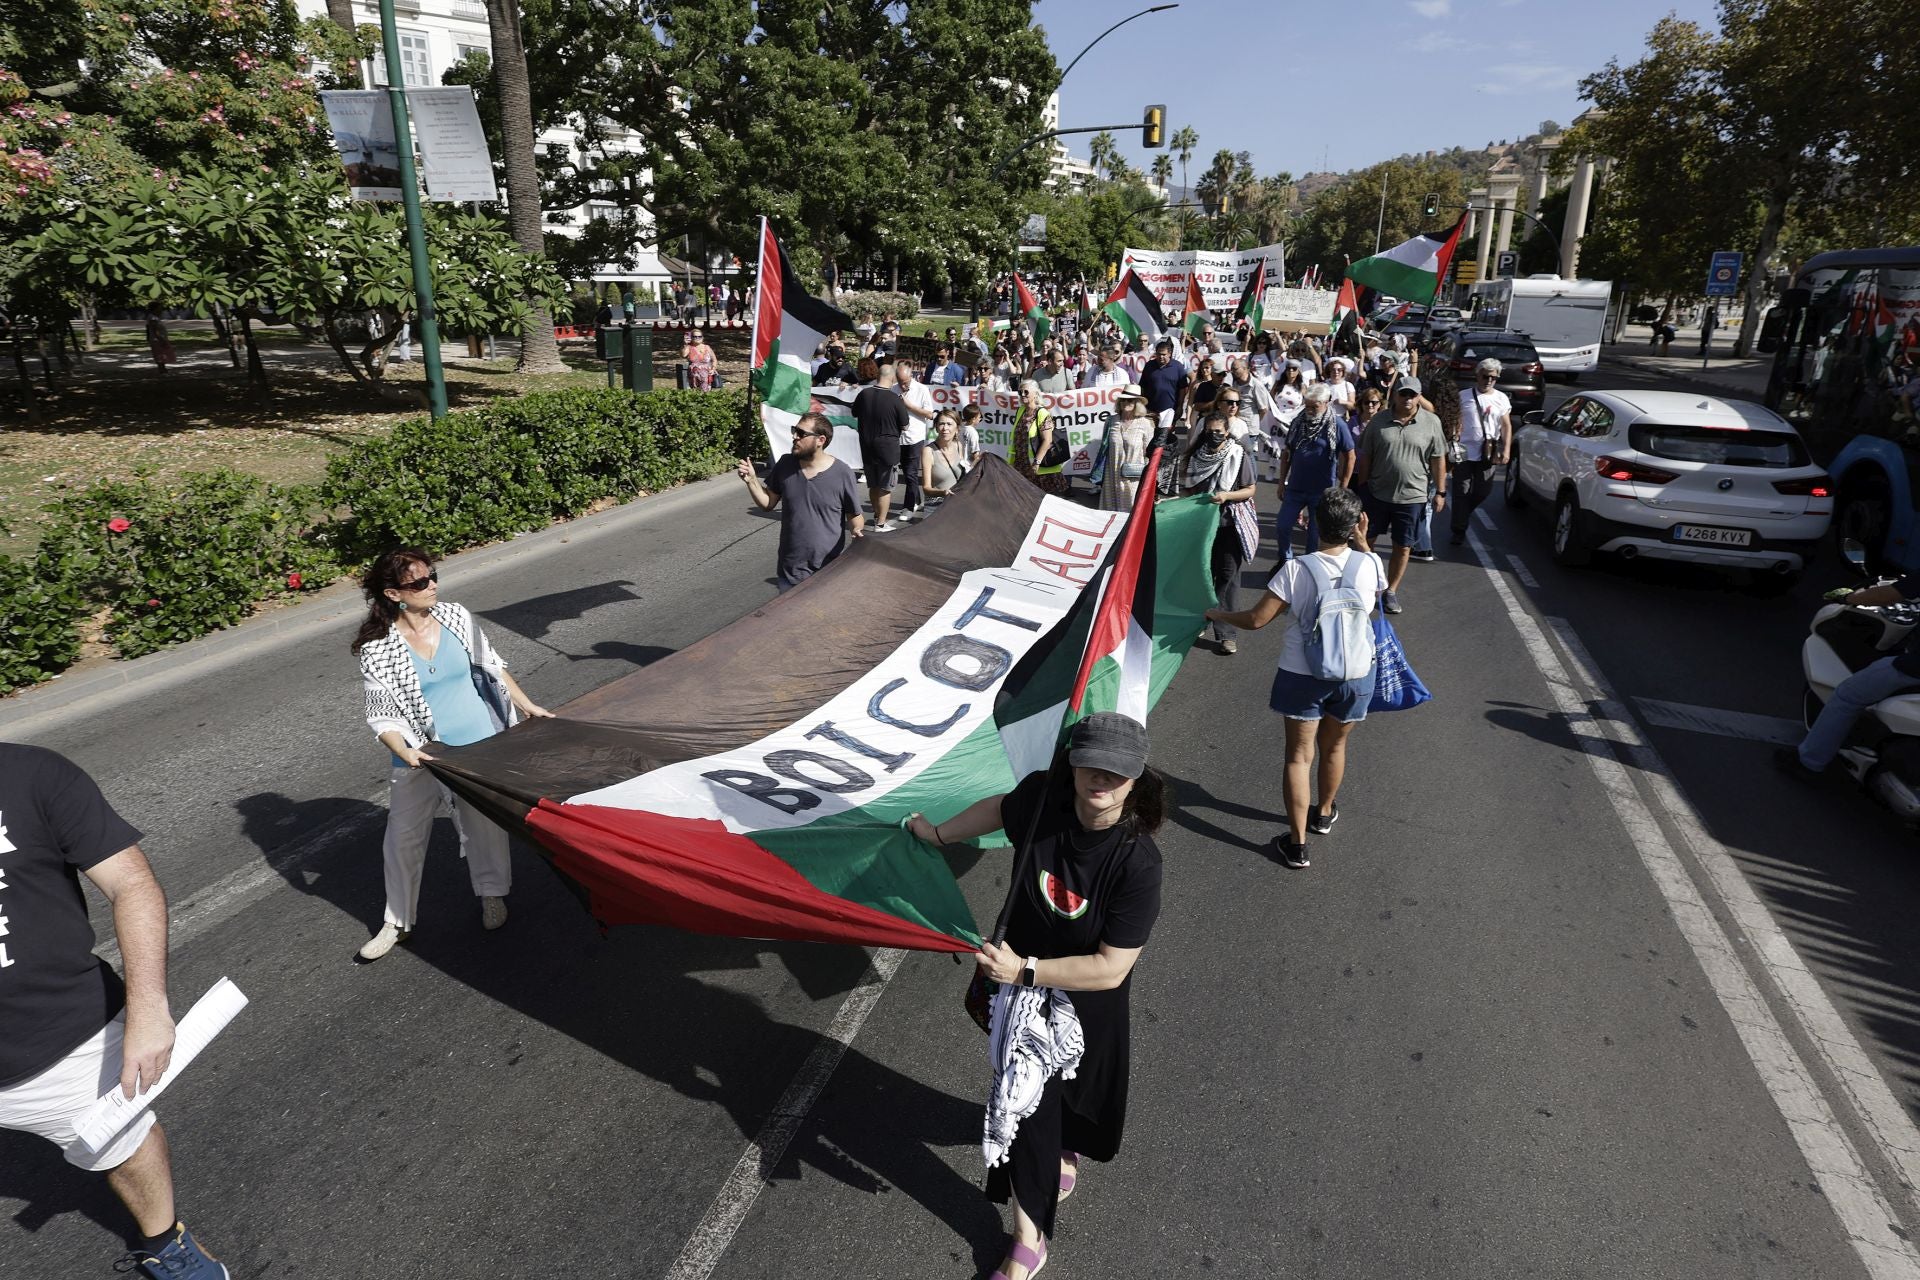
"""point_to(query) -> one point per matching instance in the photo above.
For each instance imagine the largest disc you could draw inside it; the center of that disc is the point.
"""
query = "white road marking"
(1483, 517)
(234, 892)
(1865, 1216)
(1523, 573)
(1727, 724)
(754, 1169)
(1865, 1089)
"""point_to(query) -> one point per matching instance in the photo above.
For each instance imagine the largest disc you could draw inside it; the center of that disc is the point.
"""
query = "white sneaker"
(888, 527)
(493, 912)
(382, 942)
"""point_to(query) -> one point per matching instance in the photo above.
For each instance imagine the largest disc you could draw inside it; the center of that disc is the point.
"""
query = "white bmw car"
(1673, 476)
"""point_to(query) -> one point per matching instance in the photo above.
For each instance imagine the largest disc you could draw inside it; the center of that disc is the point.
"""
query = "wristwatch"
(1032, 968)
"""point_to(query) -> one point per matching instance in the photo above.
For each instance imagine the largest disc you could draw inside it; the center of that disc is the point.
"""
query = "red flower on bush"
(153, 604)
(293, 581)
(120, 524)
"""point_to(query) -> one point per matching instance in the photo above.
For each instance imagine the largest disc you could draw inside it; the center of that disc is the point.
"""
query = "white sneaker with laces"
(493, 912)
(382, 942)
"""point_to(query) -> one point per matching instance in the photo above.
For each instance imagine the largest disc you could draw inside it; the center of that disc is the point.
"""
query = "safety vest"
(1033, 441)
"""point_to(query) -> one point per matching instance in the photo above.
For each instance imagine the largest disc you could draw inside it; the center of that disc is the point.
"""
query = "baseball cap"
(1407, 384)
(1110, 741)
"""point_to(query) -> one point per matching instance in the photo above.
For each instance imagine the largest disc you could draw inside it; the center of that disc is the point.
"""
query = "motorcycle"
(1882, 753)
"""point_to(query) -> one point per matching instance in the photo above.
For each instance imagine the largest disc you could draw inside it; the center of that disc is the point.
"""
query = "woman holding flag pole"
(1084, 896)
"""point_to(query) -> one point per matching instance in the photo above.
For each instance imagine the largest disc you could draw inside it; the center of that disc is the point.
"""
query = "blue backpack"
(1339, 635)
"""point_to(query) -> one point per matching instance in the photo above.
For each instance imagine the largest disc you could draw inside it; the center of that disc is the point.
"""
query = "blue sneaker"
(182, 1259)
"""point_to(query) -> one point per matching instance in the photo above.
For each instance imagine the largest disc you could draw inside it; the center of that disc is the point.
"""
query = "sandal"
(1068, 1179)
(1021, 1256)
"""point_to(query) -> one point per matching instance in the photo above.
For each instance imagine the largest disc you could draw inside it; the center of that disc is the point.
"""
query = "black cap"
(1109, 741)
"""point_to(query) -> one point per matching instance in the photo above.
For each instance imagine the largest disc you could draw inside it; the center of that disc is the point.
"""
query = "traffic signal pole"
(424, 318)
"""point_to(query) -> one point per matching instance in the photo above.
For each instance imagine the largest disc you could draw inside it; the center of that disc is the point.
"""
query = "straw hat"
(1131, 391)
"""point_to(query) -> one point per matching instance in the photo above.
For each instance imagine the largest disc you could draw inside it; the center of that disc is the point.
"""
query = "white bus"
(1563, 317)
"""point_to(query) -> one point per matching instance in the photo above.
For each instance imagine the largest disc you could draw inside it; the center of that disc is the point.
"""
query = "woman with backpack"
(1326, 675)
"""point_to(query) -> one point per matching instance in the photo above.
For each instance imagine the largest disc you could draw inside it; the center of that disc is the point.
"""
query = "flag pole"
(1023, 852)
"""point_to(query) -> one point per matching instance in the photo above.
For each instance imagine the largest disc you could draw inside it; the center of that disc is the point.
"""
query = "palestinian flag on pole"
(754, 783)
(1030, 310)
(1089, 304)
(788, 324)
(1414, 268)
(1252, 306)
(1197, 316)
(1343, 306)
(1135, 309)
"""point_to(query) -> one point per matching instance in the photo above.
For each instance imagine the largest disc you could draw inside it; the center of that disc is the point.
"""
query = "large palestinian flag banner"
(753, 784)
(788, 324)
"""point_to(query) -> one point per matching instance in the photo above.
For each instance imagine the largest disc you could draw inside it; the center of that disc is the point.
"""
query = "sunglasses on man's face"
(798, 434)
(418, 584)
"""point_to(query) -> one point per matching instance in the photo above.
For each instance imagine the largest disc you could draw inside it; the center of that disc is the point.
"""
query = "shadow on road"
(1188, 796)
(32, 1170)
(632, 995)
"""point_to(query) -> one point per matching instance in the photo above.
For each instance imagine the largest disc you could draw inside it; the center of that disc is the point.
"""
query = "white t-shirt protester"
(1299, 583)
(1480, 418)
(918, 396)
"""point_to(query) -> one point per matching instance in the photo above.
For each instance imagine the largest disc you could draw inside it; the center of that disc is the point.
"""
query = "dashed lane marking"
(1725, 724)
(1523, 573)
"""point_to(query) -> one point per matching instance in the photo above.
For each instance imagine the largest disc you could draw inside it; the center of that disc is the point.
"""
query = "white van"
(1563, 317)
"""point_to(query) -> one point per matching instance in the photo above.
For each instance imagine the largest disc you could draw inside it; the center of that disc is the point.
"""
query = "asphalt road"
(1489, 1033)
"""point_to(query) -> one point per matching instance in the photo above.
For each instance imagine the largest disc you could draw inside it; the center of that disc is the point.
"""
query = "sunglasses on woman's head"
(433, 575)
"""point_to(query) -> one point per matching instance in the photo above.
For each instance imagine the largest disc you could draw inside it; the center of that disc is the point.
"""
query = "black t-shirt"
(880, 414)
(54, 992)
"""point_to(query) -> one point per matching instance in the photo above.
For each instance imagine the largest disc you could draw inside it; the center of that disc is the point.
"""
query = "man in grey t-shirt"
(819, 496)
(1404, 452)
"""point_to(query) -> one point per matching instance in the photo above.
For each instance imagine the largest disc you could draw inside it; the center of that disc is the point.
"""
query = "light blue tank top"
(446, 681)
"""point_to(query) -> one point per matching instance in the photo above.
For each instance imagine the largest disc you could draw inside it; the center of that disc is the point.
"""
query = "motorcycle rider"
(1886, 678)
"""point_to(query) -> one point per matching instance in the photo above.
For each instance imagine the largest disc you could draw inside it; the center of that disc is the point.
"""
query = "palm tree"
(1185, 142)
(539, 353)
(1102, 153)
(1162, 170)
(1216, 184)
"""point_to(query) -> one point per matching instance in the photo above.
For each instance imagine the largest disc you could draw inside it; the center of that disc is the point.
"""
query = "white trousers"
(416, 800)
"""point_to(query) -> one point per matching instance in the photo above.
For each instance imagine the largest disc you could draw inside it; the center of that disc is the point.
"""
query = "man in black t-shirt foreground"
(73, 1027)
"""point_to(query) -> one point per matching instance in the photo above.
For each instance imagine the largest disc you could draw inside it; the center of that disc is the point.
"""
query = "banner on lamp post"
(362, 124)
(454, 162)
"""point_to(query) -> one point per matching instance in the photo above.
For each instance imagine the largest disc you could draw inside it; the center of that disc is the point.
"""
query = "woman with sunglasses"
(429, 676)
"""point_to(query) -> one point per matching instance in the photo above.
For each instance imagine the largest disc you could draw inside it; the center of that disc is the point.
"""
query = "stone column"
(1484, 216)
(1505, 198)
(1537, 189)
(1576, 224)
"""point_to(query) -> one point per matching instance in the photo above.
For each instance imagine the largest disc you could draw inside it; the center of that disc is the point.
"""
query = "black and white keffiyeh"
(1036, 1035)
(392, 687)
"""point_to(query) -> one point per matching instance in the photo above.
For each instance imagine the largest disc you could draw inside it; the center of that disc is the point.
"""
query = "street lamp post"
(1109, 31)
(424, 317)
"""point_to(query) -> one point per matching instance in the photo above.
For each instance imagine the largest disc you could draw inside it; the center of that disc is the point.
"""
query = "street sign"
(1466, 272)
(1723, 275)
(1507, 262)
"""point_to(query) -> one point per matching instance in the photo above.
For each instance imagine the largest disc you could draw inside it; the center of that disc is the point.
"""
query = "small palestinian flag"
(1197, 317)
(1414, 268)
(754, 784)
(788, 324)
(1343, 306)
(1134, 308)
(1252, 305)
(1031, 311)
(1089, 305)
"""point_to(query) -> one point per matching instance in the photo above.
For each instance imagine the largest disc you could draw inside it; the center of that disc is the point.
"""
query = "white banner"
(1299, 306)
(1222, 274)
(454, 163)
(1082, 414)
(362, 122)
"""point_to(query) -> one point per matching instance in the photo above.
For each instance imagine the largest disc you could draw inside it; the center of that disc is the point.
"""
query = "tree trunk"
(539, 352)
(90, 322)
(256, 369)
(223, 329)
(1770, 229)
(341, 12)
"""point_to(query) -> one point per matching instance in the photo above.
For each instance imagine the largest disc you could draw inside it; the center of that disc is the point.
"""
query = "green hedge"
(168, 563)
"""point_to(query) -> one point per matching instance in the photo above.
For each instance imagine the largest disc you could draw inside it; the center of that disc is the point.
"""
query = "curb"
(1642, 366)
(119, 681)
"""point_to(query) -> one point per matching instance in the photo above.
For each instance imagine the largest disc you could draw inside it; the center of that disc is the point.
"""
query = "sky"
(1275, 77)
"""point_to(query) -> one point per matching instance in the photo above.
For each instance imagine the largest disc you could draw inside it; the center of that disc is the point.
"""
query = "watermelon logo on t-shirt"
(1063, 900)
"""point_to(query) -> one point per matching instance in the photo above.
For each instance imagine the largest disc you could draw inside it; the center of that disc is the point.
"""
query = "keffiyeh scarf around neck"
(1211, 468)
(1306, 428)
(1036, 1035)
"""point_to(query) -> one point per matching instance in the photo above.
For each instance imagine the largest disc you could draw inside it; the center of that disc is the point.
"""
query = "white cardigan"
(392, 687)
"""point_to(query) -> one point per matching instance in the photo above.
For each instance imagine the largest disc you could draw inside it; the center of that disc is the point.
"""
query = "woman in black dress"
(1087, 900)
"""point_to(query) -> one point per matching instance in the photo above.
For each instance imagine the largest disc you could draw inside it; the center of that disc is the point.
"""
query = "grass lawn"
(118, 416)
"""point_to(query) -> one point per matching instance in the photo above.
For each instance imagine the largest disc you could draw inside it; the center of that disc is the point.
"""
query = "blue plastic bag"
(1395, 686)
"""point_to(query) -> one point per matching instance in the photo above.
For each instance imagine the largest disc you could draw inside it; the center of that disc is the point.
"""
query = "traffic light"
(1430, 207)
(1466, 272)
(1153, 127)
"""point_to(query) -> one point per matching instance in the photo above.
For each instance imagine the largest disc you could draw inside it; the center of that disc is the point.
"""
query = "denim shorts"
(1304, 697)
